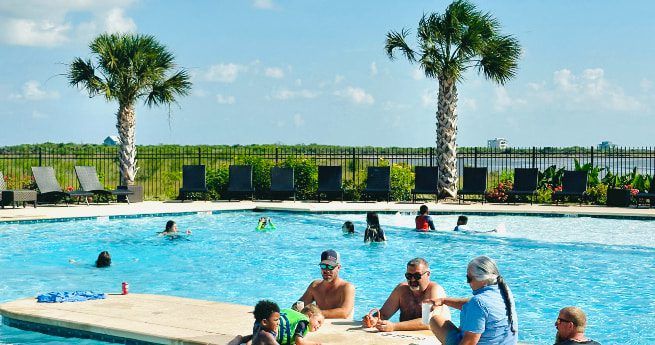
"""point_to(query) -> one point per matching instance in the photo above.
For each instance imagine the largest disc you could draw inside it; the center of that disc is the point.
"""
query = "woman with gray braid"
(487, 318)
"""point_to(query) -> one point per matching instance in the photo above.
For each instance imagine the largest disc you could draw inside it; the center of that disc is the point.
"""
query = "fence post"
(276, 155)
(199, 155)
(592, 156)
(40, 157)
(475, 157)
(431, 154)
(534, 157)
(354, 165)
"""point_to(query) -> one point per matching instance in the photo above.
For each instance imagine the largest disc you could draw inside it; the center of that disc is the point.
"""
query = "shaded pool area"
(604, 266)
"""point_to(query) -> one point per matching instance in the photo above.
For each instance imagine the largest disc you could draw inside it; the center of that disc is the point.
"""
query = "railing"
(160, 166)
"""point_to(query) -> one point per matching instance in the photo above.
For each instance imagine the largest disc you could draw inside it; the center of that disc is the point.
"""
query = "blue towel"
(69, 296)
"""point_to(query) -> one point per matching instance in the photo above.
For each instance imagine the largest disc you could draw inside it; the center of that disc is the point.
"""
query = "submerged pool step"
(156, 319)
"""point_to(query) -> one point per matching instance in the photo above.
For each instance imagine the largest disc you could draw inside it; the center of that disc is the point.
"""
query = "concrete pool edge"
(170, 209)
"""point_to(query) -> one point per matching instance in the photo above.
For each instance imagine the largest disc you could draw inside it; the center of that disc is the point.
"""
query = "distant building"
(111, 140)
(606, 145)
(497, 143)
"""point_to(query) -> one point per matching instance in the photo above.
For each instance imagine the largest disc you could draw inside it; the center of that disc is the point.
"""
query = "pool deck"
(162, 208)
(173, 320)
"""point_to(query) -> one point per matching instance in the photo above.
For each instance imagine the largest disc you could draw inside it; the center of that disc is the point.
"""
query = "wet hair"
(484, 269)
(169, 225)
(311, 310)
(577, 316)
(423, 209)
(415, 262)
(349, 226)
(264, 309)
(104, 259)
(463, 220)
(373, 220)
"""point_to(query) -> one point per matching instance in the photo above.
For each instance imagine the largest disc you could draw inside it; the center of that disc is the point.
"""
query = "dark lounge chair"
(475, 183)
(87, 176)
(426, 182)
(13, 197)
(49, 188)
(282, 182)
(647, 195)
(378, 182)
(574, 184)
(240, 181)
(193, 180)
(329, 181)
(525, 183)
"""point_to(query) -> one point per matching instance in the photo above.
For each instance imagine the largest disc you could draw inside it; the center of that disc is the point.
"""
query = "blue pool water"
(605, 266)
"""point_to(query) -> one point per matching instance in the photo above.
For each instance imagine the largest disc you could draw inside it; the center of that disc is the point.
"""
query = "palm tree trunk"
(446, 137)
(126, 125)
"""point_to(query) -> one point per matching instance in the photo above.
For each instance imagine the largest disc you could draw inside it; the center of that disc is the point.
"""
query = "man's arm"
(430, 223)
(389, 308)
(301, 341)
(391, 305)
(346, 308)
(308, 296)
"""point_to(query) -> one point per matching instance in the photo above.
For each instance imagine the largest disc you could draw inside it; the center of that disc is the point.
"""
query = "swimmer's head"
(423, 209)
(171, 226)
(315, 316)
(462, 220)
(104, 259)
(348, 227)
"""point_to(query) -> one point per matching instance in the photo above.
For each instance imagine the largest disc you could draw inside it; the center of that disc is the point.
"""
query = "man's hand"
(385, 326)
(369, 321)
(436, 302)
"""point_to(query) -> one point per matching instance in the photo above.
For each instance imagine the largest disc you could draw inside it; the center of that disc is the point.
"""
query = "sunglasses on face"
(326, 267)
(415, 276)
(469, 278)
(560, 320)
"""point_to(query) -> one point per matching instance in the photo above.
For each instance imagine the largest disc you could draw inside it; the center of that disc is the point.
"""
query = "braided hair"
(485, 269)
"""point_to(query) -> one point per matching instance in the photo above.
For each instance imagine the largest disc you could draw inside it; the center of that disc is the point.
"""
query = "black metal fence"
(160, 166)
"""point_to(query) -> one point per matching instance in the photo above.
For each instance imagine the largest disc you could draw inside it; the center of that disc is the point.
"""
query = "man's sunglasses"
(326, 267)
(415, 276)
(560, 320)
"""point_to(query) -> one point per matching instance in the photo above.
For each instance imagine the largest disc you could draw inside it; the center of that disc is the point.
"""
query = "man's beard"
(558, 338)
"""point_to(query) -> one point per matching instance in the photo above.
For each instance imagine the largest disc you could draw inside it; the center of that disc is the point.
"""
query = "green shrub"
(402, 182)
(352, 190)
(597, 194)
(261, 174)
(217, 182)
(544, 195)
(170, 182)
(305, 176)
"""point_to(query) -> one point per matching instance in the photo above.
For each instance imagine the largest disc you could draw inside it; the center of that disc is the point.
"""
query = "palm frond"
(164, 92)
(500, 58)
(82, 74)
(396, 40)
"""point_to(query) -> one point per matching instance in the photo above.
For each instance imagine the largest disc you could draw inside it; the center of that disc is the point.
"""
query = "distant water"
(605, 266)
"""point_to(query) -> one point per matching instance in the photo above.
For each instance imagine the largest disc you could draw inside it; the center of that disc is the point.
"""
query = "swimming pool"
(605, 266)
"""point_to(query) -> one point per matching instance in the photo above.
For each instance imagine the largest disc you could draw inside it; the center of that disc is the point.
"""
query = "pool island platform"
(142, 319)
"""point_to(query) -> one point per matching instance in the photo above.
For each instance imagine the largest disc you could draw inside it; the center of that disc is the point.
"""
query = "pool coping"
(172, 209)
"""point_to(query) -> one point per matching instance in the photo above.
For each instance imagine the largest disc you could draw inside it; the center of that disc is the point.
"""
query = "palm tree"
(129, 67)
(449, 44)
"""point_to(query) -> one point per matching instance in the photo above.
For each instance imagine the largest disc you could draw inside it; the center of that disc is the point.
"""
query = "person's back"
(374, 232)
(496, 328)
(423, 220)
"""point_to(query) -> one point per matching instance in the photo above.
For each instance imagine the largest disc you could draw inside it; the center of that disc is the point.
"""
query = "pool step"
(156, 319)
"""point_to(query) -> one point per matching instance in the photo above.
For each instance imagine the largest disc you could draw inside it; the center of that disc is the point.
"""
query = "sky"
(301, 72)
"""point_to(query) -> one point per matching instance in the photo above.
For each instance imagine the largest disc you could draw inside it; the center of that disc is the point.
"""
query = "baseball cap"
(330, 257)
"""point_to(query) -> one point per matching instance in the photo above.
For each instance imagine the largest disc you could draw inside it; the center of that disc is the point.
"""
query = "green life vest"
(289, 320)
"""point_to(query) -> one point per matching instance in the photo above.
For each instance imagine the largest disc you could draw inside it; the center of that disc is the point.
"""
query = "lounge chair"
(193, 180)
(282, 182)
(240, 181)
(49, 188)
(329, 181)
(13, 197)
(378, 182)
(574, 184)
(647, 195)
(475, 183)
(87, 176)
(426, 182)
(525, 183)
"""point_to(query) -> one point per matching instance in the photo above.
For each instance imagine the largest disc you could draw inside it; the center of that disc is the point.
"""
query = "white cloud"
(39, 115)
(49, 23)
(286, 94)
(32, 91)
(356, 95)
(116, 22)
(645, 85)
(503, 101)
(298, 120)
(225, 99)
(374, 69)
(263, 4)
(274, 72)
(224, 73)
(338, 78)
(418, 74)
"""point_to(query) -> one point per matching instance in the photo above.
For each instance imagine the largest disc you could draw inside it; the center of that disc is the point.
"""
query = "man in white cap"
(333, 295)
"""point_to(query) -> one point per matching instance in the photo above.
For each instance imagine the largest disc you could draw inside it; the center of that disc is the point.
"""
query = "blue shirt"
(485, 314)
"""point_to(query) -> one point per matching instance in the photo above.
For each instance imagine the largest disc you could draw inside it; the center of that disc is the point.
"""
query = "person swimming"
(374, 232)
(348, 228)
(265, 224)
(171, 230)
(462, 226)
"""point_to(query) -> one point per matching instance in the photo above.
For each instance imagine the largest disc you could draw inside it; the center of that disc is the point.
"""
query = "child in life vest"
(423, 220)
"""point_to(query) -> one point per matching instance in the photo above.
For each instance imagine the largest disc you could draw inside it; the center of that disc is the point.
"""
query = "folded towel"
(69, 296)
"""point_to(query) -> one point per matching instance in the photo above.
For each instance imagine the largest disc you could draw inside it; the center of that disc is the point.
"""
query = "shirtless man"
(333, 295)
(407, 297)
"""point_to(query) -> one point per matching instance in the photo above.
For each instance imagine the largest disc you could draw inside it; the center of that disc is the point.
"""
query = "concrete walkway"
(156, 207)
(174, 320)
